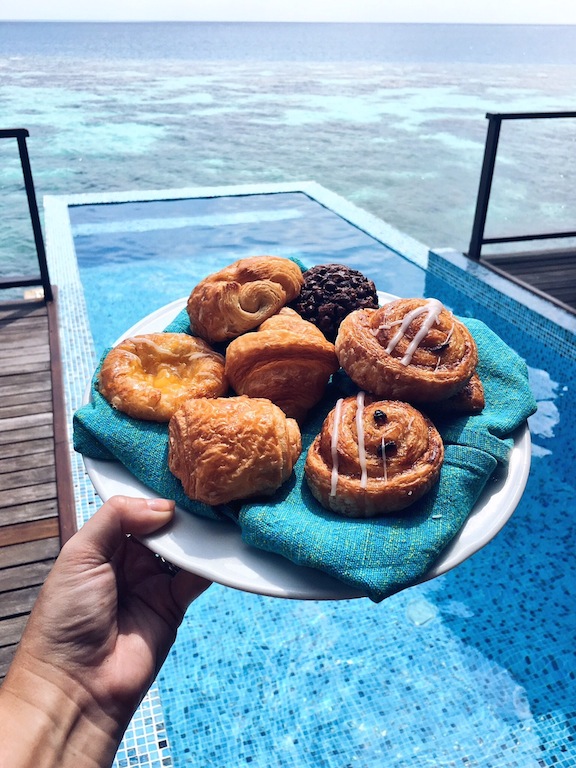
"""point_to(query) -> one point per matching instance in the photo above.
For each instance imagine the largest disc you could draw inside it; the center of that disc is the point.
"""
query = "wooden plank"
(28, 434)
(31, 531)
(6, 656)
(18, 601)
(29, 461)
(29, 382)
(34, 510)
(25, 448)
(13, 496)
(11, 630)
(28, 420)
(40, 397)
(29, 552)
(28, 575)
(31, 476)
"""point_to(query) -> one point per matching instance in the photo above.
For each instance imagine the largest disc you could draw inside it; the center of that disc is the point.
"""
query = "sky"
(429, 11)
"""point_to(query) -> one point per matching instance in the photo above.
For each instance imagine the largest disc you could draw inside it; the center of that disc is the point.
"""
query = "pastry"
(332, 291)
(287, 360)
(409, 349)
(149, 376)
(373, 457)
(231, 448)
(242, 295)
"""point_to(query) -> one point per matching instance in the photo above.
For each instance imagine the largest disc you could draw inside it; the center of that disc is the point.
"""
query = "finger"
(106, 530)
(186, 587)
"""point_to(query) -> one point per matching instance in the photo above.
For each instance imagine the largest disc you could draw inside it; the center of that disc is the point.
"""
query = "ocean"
(392, 117)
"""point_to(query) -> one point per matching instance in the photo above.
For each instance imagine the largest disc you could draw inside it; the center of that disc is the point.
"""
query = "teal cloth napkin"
(379, 556)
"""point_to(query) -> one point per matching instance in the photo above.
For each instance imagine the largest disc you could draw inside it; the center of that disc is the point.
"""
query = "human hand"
(103, 623)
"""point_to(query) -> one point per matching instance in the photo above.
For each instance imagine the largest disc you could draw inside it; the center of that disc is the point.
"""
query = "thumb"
(105, 531)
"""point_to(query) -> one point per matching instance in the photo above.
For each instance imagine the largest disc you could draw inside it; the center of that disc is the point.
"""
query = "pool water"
(475, 668)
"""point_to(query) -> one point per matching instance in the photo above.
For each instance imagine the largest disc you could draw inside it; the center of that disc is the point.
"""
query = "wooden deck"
(549, 274)
(36, 495)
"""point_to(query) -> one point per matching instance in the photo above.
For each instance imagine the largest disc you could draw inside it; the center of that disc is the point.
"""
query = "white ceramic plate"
(215, 550)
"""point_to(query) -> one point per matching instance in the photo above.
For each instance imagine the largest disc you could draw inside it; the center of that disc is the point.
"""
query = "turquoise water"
(391, 117)
(476, 667)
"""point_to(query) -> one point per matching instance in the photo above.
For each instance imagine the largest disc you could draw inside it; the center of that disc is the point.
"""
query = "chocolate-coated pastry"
(149, 376)
(231, 448)
(242, 295)
(373, 457)
(332, 291)
(409, 349)
(287, 360)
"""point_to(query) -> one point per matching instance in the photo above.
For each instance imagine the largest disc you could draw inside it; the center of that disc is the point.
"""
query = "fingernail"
(160, 505)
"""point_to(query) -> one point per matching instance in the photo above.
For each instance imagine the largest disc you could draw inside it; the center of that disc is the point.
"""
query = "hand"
(101, 628)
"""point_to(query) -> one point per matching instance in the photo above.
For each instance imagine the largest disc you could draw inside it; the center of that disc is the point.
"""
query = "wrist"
(47, 719)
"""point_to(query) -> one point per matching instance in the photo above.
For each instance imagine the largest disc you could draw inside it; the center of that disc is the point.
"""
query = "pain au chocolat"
(231, 448)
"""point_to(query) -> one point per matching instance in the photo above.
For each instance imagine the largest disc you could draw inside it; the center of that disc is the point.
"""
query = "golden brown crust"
(242, 295)
(409, 349)
(287, 359)
(373, 457)
(467, 401)
(149, 376)
(231, 448)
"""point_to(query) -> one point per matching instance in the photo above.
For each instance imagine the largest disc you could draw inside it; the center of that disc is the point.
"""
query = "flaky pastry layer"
(287, 359)
(239, 297)
(231, 448)
(149, 376)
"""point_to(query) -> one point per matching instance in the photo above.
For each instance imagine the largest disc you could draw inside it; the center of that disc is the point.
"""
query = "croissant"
(223, 449)
(287, 359)
(409, 349)
(242, 295)
(373, 457)
(149, 376)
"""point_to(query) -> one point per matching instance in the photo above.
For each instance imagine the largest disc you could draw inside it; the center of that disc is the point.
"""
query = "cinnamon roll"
(373, 457)
(408, 349)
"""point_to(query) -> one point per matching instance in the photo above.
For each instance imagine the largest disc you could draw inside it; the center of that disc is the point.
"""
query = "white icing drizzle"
(360, 439)
(431, 309)
(384, 459)
(334, 447)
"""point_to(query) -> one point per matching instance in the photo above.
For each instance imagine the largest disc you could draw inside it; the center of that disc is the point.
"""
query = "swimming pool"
(475, 668)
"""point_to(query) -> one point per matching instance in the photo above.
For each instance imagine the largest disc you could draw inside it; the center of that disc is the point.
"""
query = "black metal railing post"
(485, 186)
(21, 134)
(477, 239)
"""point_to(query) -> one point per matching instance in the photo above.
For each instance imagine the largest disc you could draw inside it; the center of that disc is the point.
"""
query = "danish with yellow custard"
(373, 457)
(149, 376)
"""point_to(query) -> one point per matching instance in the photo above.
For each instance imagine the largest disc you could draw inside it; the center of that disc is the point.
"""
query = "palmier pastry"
(408, 349)
(287, 360)
(241, 296)
(373, 457)
(149, 376)
(231, 448)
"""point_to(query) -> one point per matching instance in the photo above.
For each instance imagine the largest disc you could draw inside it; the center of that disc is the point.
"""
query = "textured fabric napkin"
(379, 556)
